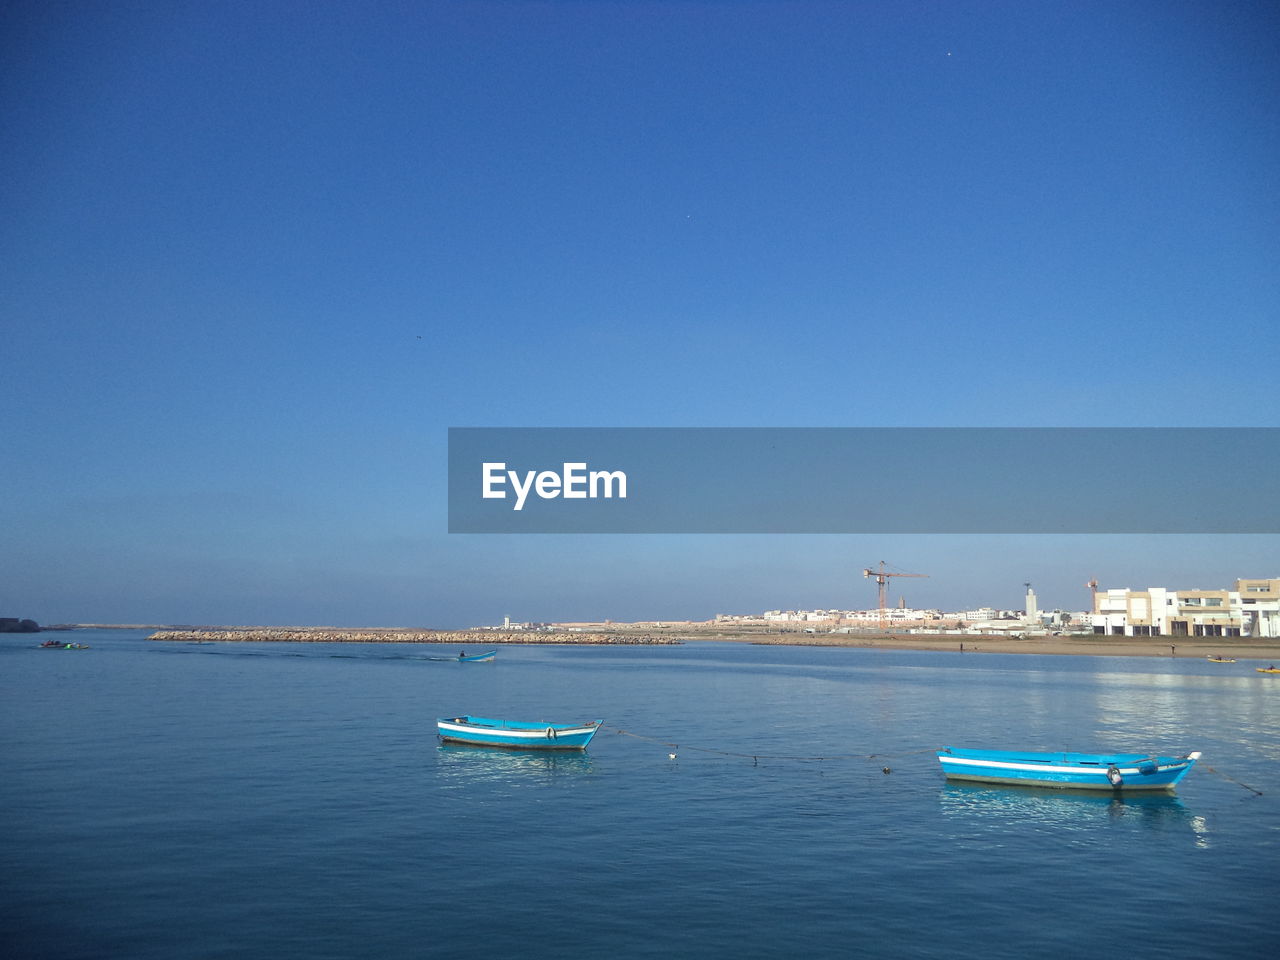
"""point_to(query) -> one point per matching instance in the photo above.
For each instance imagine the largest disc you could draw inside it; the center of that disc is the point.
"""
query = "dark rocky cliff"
(14, 625)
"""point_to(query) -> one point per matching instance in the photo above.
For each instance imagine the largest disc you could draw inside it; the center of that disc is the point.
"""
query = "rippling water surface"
(272, 800)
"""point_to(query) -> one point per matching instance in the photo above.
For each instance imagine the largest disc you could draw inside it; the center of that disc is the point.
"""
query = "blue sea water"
(165, 800)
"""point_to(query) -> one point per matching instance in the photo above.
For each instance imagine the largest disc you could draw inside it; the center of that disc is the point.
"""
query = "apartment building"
(1250, 609)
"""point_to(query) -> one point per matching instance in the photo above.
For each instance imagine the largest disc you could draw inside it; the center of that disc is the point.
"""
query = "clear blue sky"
(255, 258)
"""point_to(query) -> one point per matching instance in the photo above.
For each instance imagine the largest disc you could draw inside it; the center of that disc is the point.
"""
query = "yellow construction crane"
(882, 579)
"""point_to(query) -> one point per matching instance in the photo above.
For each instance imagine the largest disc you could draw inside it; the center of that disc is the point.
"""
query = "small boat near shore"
(1077, 771)
(60, 645)
(1221, 659)
(1267, 669)
(463, 658)
(520, 734)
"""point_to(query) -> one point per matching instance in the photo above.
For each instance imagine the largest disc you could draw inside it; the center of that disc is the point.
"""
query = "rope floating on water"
(1256, 793)
(757, 757)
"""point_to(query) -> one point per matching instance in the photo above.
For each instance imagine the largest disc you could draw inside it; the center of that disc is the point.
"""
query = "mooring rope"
(1256, 793)
(773, 756)
(757, 758)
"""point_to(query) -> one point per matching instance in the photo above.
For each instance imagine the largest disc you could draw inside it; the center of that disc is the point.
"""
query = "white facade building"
(1251, 609)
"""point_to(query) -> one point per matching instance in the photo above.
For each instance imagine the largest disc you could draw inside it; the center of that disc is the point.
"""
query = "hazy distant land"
(18, 625)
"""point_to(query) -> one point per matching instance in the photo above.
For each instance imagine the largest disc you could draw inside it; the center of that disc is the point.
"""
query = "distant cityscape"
(1250, 608)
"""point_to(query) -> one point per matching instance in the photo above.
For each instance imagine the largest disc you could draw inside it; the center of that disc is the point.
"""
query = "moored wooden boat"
(520, 734)
(1077, 771)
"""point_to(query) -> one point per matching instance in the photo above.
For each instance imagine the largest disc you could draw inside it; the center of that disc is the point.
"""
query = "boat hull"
(517, 734)
(1074, 771)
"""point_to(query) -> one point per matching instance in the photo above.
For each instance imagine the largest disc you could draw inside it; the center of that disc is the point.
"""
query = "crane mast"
(882, 581)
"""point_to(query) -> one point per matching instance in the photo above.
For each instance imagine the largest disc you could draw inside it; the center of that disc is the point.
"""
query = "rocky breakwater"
(472, 638)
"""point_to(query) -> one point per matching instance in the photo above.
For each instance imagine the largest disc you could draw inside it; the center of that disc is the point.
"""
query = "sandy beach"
(1090, 645)
(1093, 646)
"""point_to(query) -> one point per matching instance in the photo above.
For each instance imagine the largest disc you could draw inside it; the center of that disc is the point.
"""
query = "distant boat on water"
(1221, 659)
(520, 734)
(1078, 771)
(478, 658)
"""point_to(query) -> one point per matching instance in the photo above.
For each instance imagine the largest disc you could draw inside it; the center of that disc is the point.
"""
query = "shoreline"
(472, 638)
(1081, 644)
(1177, 648)
(1092, 645)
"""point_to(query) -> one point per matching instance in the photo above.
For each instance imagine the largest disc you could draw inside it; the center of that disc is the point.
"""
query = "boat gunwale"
(493, 725)
(1063, 758)
(524, 735)
(1134, 772)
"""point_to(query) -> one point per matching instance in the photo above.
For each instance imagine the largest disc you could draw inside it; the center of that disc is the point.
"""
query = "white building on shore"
(834, 617)
(1250, 609)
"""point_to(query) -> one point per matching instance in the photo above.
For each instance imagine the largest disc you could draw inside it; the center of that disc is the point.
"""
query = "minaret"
(1033, 612)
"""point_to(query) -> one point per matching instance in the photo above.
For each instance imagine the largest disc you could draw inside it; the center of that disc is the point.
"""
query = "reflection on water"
(477, 764)
(1078, 809)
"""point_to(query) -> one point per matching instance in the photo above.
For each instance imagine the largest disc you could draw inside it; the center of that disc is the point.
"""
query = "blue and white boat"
(521, 734)
(1076, 771)
(464, 658)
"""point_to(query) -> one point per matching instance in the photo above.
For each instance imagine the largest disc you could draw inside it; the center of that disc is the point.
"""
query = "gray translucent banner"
(864, 480)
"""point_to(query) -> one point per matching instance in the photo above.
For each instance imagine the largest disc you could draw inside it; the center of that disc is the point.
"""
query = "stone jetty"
(466, 638)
